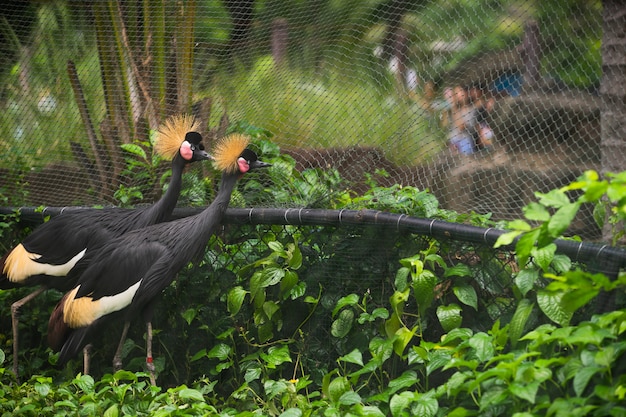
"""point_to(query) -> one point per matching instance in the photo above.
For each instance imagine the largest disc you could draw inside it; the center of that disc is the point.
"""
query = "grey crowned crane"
(53, 250)
(126, 276)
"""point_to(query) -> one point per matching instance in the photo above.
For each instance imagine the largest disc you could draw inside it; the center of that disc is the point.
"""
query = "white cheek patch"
(185, 151)
(21, 264)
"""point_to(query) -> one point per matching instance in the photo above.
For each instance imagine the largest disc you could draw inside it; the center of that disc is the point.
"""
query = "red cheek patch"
(243, 165)
(185, 151)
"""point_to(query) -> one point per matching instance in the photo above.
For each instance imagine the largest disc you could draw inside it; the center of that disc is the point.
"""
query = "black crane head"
(179, 136)
(192, 148)
(248, 160)
(231, 155)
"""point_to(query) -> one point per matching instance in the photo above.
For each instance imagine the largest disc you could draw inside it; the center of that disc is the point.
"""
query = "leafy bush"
(282, 320)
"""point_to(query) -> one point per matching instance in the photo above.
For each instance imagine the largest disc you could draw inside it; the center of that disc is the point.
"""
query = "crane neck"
(163, 208)
(197, 230)
(212, 216)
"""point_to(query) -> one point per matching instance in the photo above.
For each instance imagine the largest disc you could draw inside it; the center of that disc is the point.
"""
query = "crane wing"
(114, 269)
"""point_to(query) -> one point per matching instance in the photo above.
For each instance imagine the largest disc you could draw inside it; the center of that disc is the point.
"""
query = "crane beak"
(203, 156)
(259, 164)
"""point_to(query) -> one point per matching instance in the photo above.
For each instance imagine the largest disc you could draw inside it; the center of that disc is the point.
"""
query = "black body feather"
(66, 235)
(152, 255)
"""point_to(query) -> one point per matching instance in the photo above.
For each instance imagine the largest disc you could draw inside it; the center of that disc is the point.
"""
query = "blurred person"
(462, 123)
(481, 130)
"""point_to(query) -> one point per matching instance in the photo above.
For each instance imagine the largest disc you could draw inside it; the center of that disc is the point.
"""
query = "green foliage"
(141, 165)
(276, 98)
(260, 325)
(570, 287)
(44, 105)
(572, 54)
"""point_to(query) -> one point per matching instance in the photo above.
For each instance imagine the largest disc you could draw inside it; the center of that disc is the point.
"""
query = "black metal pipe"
(577, 251)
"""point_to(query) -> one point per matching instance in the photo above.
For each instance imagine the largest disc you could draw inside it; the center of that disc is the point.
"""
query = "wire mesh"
(414, 88)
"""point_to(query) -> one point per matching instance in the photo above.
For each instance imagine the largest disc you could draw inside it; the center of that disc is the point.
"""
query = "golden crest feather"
(172, 134)
(227, 151)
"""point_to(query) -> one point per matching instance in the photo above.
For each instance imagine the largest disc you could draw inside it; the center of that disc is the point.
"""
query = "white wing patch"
(80, 312)
(21, 264)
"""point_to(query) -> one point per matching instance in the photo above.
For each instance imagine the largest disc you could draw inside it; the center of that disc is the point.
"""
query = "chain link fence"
(344, 253)
(481, 102)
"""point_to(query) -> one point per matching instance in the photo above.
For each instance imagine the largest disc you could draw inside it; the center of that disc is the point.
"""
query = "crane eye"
(201, 146)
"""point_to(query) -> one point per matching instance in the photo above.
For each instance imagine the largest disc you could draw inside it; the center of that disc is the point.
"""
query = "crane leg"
(86, 359)
(15, 314)
(117, 359)
(149, 361)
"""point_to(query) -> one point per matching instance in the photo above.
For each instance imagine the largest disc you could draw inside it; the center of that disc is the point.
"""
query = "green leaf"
(525, 244)
(543, 256)
(561, 263)
(368, 411)
(401, 280)
(561, 220)
(125, 376)
(449, 316)
(525, 279)
(134, 149)
(353, 357)
(85, 383)
(276, 246)
(403, 338)
(458, 412)
(253, 373)
(189, 315)
(550, 303)
(459, 270)
(272, 276)
(191, 394)
(220, 351)
(467, 295)
(506, 239)
(349, 300)
(42, 389)
(554, 198)
(288, 282)
(400, 402)
(295, 261)
(536, 212)
(423, 288)
(337, 388)
(276, 355)
(518, 224)
(600, 211)
(438, 359)
(482, 345)
(456, 336)
(398, 300)
(596, 190)
(349, 398)
(291, 412)
(198, 355)
(526, 391)
(582, 378)
(407, 379)
(112, 411)
(519, 320)
(343, 324)
(392, 325)
(427, 405)
(235, 300)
